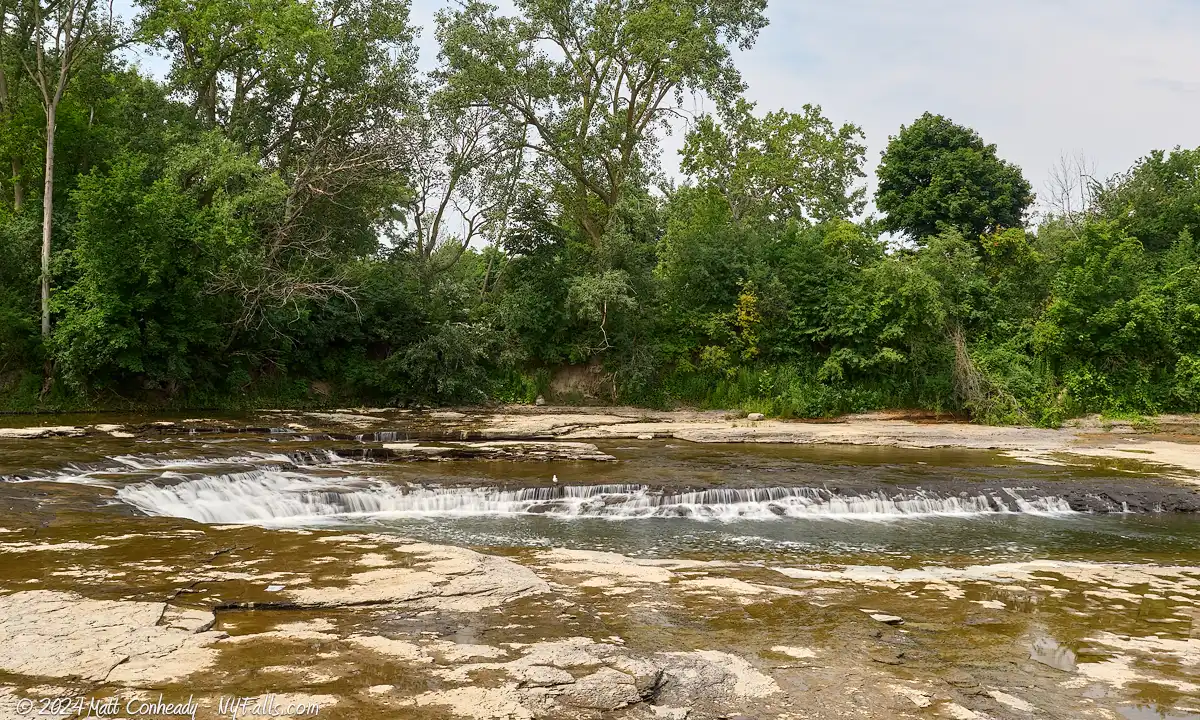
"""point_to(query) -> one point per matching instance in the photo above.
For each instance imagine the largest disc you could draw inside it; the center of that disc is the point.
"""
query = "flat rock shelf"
(579, 564)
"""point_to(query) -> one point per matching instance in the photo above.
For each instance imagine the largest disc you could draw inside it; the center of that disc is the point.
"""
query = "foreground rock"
(579, 673)
(370, 625)
(445, 577)
(63, 635)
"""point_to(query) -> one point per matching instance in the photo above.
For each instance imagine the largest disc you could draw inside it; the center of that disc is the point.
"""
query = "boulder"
(605, 689)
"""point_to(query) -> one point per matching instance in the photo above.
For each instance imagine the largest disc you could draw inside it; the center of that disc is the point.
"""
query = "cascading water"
(269, 496)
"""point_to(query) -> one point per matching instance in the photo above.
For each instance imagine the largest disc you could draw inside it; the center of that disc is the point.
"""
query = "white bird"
(554, 479)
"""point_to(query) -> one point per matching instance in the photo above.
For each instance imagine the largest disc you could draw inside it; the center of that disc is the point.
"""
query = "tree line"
(297, 214)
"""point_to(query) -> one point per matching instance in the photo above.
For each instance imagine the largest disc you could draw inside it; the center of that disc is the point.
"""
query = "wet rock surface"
(98, 599)
(159, 606)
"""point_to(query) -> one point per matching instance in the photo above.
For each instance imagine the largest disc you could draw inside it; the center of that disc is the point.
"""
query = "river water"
(656, 499)
(754, 505)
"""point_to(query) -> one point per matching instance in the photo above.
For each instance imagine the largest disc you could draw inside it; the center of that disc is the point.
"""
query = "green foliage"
(19, 239)
(1105, 328)
(589, 85)
(795, 166)
(143, 251)
(1157, 200)
(295, 217)
(936, 175)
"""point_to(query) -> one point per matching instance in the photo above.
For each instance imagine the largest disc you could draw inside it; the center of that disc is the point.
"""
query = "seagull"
(554, 479)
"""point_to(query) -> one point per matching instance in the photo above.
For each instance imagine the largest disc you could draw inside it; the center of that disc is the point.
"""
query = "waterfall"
(273, 496)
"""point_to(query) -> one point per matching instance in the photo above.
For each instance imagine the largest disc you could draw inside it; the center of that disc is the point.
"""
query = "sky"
(1108, 79)
(1111, 79)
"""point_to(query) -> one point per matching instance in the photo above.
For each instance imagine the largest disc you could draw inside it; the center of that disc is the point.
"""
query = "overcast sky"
(1113, 79)
(1039, 78)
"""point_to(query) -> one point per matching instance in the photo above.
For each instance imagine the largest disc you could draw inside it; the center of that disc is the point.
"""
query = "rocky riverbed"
(704, 592)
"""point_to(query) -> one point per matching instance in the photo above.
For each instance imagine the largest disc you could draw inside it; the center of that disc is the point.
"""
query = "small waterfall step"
(279, 496)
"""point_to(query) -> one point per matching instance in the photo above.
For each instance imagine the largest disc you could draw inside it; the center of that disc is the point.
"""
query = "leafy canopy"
(936, 175)
(784, 165)
(590, 83)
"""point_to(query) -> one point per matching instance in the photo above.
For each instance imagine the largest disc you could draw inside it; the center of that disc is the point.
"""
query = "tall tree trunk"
(18, 185)
(48, 215)
(6, 113)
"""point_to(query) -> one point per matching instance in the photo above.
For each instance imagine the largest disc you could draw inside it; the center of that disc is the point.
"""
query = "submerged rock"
(447, 578)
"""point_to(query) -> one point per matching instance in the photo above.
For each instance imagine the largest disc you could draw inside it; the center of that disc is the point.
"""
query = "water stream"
(658, 498)
(766, 510)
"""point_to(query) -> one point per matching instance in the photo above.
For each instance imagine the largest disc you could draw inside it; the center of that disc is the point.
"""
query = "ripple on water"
(1148, 712)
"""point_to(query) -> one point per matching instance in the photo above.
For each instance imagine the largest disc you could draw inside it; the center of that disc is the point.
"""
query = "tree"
(704, 255)
(464, 172)
(317, 91)
(62, 34)
(1157, 199)
(936, 175)
(593, 81)
(143, 251)
(1106, 330)
(782, 166)
(1071, 191)
(16, 28)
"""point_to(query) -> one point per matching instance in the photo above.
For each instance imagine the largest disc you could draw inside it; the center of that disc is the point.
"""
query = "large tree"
(593, 81)
(937, 175)
(316, 91)
(783, 165)
(62, 32)
(464, 174)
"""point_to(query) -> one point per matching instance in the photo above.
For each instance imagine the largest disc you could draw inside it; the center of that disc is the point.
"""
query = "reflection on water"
(1047, 651)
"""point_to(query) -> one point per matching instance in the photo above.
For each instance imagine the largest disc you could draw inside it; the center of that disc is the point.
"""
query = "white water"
(134, 465)
(277, 497)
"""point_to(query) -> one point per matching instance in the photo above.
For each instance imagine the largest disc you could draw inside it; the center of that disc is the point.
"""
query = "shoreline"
(1168, 443)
